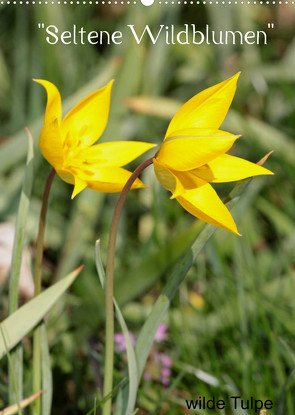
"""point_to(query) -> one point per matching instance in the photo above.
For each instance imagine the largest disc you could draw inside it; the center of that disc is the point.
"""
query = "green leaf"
(18, 246)
(16, 326)
(47, 385)
(19, 237)
(100, 402)
(128, 405)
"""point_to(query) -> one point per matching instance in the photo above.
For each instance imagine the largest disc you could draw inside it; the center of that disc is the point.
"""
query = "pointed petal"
(198, 132)
(107, 179)
(79, 186)
(117, 153)
(188, 153)
(226, 168)
(50, 143)
(85, 123)
(168, 179)
(206, 109)
(205, 204)
(53, 107)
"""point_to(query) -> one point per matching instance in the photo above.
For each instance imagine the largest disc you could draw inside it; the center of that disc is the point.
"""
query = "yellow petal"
(79, 186)
(226, 168)
(198, 132)
(117, 153)
(107, 179)
(206, 109)
(188, 180)
(205, 204)
(66, 175)
(176, 182)
(85, 123)
(53, 107)
(168, 179)
(188, 153)
(50, 144)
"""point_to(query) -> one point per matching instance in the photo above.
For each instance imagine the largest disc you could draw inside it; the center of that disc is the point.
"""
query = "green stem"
(109, 326)
(38, 285)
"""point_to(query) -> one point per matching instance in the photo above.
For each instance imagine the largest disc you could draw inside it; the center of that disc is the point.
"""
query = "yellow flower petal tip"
(207, 109)
(68, 143)
(193, 154)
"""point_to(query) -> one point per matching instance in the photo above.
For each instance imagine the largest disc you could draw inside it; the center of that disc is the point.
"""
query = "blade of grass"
(20, 57)
(99, 402)
(16, 356)
(16, 326)
(12, 378)
(47, 386)
(128, 406)
(24, 403)
(37, 337)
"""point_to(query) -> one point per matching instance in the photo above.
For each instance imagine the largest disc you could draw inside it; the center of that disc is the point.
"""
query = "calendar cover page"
(147, 207)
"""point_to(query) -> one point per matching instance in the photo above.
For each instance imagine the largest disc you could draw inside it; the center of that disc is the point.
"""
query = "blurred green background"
(231, 326)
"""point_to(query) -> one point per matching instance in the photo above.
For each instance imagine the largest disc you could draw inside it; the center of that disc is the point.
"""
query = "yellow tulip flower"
(67, 144)
(193, 154)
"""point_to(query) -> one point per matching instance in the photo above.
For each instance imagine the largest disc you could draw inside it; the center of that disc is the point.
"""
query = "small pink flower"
(165, 381)
(166, 372)
(120, 345)
(161, 333)
(147, 376)
(166, 360)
